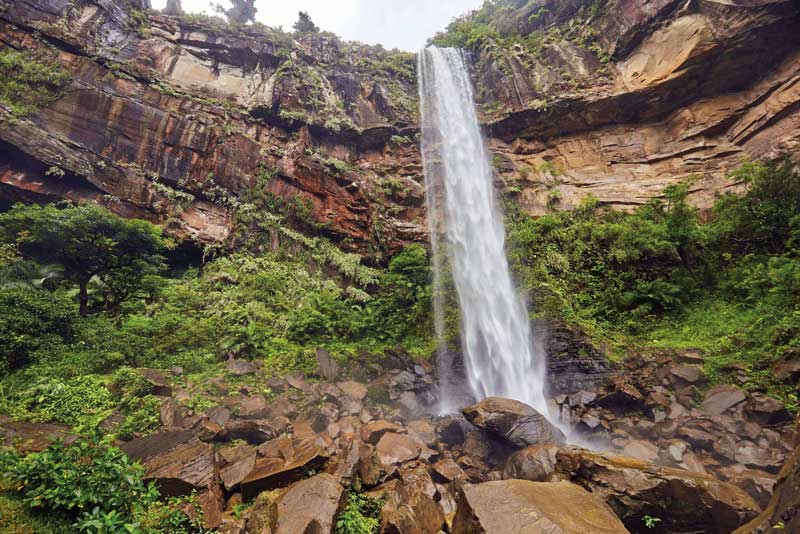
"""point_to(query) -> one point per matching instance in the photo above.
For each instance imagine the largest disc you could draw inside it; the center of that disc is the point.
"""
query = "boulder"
(33, 437)
(687, 374)
(721, 398)
(183, 469)
(372, 431)
(326, 365)
(447, 470)
(144, 448)
(642, 450)
(766, 410)
(238, 470)
(395, 449)
(282, 461)
(685, 501)
(525, 507)
(782, 514)
(353, 389)
(158, 383)
(536, 463)
(514, 421)
(241, 367)
(307, 507)
(406, 511)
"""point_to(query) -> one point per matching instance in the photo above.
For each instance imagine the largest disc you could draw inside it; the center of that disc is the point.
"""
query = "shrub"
(77, 401)
(31, 320)
(360, 516)
(77, 478)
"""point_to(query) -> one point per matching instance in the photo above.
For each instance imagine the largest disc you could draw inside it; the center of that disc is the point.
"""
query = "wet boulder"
(536, 463)
(308, 507)
(525, 507)
(685, 501)
(514, 421)
(281, 462)
(407, 510)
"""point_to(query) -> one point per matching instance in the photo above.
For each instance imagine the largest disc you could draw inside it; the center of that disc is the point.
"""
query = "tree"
(241, 11)
(304, 24)
(173, 8)
(90, 243)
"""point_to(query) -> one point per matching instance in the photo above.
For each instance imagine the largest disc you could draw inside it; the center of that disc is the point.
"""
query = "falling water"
(467, 233)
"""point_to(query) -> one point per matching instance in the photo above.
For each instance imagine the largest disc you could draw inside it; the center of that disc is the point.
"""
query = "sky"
(403, 24)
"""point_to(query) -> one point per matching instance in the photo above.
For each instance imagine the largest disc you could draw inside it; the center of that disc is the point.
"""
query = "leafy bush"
(360, 516)
(29, 81)
(77, 478)
(95, 486)
(31, 320)
(77, 401)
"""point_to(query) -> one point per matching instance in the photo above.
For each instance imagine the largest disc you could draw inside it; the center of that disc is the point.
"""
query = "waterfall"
(500, 355)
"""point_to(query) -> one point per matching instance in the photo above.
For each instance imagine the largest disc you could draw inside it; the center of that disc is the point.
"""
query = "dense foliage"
(29, 80)
(91, 244)
(729, 286)
(89, 487)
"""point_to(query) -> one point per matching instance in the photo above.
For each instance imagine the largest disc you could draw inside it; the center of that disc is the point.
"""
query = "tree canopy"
(304, 24)
(91, 244)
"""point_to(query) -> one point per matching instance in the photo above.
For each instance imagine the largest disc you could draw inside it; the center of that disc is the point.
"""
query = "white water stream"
(501, 357)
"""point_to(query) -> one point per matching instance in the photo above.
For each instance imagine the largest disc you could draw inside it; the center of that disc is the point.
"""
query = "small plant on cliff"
(650, 521)
(360, 516)
(29, 80)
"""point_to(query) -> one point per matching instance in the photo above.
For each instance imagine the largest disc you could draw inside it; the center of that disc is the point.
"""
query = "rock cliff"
(179, 119)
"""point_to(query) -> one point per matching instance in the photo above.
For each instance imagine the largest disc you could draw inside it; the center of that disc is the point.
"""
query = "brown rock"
(282, 461)
(683, 500)
(238, 470)
(159, 385)
(33, 437)
(641, 450)
(406, 511)
(147, 447)
(241, 367)
(171, 413)
(766, 410)
(536, 463)
(687, 374)
(372, 432)
(720, 398)
(309, 506)
(327, 366)
(395, 449)
(183, 469)
(525, 507)
(516, 422)
(355, 390)
(447, 470)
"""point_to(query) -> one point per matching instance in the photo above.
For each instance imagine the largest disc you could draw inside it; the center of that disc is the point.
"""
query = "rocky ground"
(664, 447)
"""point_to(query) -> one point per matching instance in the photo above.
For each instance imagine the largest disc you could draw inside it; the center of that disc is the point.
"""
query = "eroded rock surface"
(525, 507)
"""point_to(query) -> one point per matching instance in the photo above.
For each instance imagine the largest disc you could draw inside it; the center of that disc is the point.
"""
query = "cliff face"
(177, 120)
(619, 98)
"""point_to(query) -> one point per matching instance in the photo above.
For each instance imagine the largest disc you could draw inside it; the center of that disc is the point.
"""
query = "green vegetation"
(92, 245)
(88, 487)
(29, 80)
(277, 305)
(360, 516)
(659, 278)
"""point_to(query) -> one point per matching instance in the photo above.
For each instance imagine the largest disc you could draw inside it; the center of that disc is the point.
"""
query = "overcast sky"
(404, 24)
